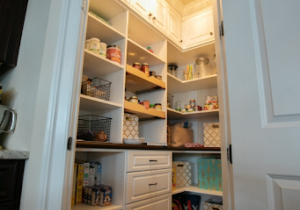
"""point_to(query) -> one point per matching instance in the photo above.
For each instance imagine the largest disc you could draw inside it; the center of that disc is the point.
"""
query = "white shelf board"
(195, 189)
(176, 85)
(106, 9)
(88, 103)
(96, 65)
(88, 207)
(182, 57)
(176, 115)
(137, 53)
(97, 28)
(139, 29)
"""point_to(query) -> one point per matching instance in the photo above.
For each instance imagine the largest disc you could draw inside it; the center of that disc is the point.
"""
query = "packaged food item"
(101, 195)
(178, 106)
(145, 69)
(146, 104)
(103, 49)
(113, 53)
(157, 106)
(134, 99)
(152, 106)
(207, 99)
(98, 167)
(190, 110)
(136, 65)
(152, 73)
(206, 107)
(158, 77)
(193, 103)
(94, 45)
(214, 101)
(199, 108)
(210, 107)
(149, 49)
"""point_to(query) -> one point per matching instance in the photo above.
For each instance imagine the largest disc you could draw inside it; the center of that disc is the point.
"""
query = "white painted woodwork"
(196, 189)
(143, 7)
(264, 101)
(175, 32)
(148, 160)
(92, 104)
(160, 15)
(156, 203)
(176, 115)
(89, 207)
(198, 29)
(147, 184)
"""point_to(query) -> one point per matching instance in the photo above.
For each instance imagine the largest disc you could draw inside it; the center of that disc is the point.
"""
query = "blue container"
(210, 174)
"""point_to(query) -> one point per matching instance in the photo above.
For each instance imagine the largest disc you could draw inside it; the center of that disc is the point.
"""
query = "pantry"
(140, 80)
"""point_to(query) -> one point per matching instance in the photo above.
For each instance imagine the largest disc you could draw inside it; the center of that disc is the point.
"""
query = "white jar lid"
(95, 39)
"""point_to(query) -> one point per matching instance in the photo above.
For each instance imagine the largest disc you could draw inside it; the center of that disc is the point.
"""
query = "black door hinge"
(70, 140)
(229, 154)
(221, 28)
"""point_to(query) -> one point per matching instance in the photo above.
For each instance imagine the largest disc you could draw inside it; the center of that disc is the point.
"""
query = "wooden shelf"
(88, 207)
(96, 65)
(142, 112)
(176, 115)
(195, 189)
(138, 82)
(187, 57)
(176, 85)
(88, 103)
(137, 53)
(97, 28)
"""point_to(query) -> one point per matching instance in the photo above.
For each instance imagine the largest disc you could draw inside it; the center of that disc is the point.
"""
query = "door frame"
(65, 99)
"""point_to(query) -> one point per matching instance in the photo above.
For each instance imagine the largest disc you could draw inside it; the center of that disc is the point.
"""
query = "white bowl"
(134, 141)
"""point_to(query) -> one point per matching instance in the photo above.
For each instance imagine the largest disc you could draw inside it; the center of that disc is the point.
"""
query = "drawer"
(147, 184)
(162, 202)
(148, 160)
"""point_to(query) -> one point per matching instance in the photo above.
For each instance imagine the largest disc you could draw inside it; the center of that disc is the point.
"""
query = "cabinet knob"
(211, 33)
(150, 14)
(180, 41)
(153, 18)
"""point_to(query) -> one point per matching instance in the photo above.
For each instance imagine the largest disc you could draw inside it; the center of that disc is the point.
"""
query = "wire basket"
(89, 126)
(96, 87)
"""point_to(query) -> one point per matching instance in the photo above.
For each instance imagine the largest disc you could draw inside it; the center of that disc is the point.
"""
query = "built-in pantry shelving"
(176, 115)
(196, 189)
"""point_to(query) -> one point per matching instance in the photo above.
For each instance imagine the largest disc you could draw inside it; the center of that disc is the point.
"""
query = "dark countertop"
(141, 147)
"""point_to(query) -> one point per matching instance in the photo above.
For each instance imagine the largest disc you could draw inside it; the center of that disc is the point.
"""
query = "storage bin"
(90, 125)
(210, 174)
(96, 87)
(212, 135)
(183, 173)
(180, 136)
(213, 204)
(130, 126)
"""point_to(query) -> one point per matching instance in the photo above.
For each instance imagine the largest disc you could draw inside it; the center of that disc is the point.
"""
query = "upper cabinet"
(175, 32)
(198, 29)
(159, 17)
(143, 7)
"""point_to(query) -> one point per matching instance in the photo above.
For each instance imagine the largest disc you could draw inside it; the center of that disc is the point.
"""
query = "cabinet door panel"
(141, 6)
(198, 29)
(7, 206)
(174, 27)
(157, 203)
(160, 14)
(8, 175)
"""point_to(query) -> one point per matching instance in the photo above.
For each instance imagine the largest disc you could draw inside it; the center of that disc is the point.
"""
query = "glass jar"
(136, 65)
(145, 69)
(157, 106)
(134, 100)
(172, 69)
(202, 68)
(169, 101)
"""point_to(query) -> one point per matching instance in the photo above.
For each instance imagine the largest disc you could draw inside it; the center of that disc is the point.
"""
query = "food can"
(190, 110)
(145, 69)
(103, 49)
(206, 107)
(113, 53)
(210, 107)
(187, 106)
(207, 99)
(214, 100)
(136, 65)
(152, 106)
(152, 73)
(134, 100)
(158, 77)
(94, 45)
(157, 106)
(193, 103)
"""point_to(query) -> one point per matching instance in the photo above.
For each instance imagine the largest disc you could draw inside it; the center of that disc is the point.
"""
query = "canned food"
(157, 106)
(136, 65)
(134, 100)
(207, 99)
(103, 49)
(193, 103)
(158, 77)
(94, 45)
(214, 100)
(145, 69)
(113, 53)
(152, 73)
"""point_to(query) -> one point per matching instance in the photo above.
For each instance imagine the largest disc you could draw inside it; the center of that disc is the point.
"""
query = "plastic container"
(113, 53)
(103, 49)
(94, 45)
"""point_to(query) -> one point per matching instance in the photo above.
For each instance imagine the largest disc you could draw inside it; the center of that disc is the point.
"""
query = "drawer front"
(145, 185)
(148, 160)
(162, 202)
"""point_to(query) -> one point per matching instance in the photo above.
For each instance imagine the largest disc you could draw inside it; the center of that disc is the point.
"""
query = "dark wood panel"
(12, 16)
(141, 147)
(7, 206)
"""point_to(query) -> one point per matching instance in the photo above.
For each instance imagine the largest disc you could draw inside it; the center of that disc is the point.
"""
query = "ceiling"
(186, 1)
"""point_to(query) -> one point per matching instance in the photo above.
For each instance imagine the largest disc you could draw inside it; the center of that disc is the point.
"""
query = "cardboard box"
(74, 185)
(79, 187)
(86, 176)
(213, 204)
(183, 173)
(130, 126)
(211, 135)
(98, 169)
(101, 195)
(210, 174)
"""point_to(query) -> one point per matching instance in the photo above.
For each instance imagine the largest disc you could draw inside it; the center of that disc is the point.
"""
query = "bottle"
(149, 49)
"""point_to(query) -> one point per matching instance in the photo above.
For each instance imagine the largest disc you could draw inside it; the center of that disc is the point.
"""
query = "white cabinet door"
(141, 6)
(160, 14)
(198, 29)
(175, 27)
(162, 202)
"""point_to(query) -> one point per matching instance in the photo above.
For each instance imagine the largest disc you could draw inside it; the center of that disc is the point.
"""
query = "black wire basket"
(96, 87)
(91, 126)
